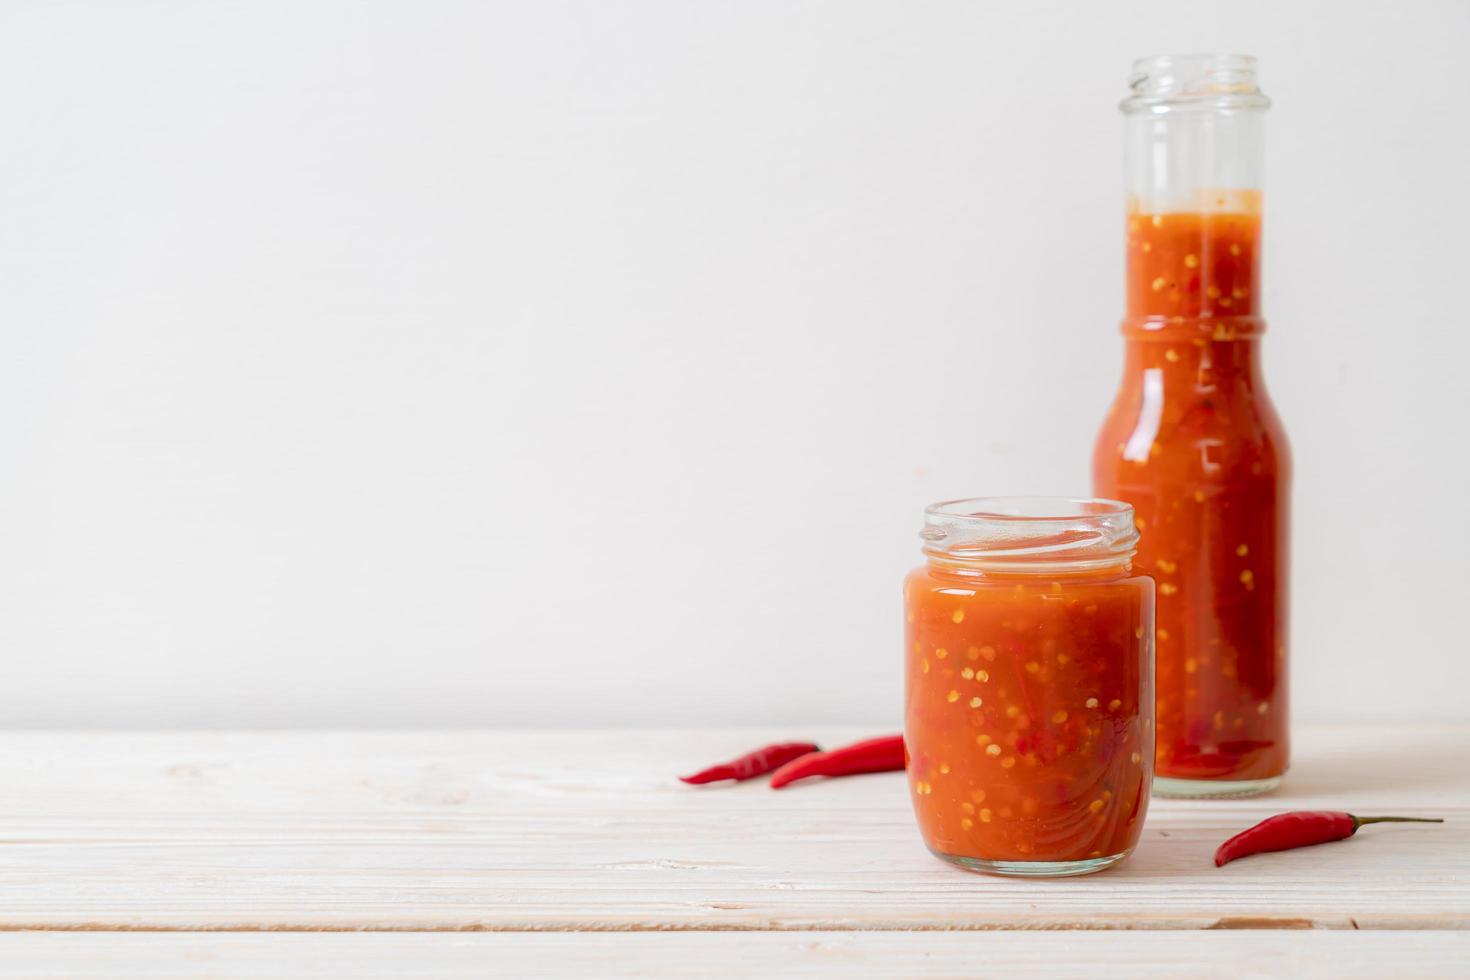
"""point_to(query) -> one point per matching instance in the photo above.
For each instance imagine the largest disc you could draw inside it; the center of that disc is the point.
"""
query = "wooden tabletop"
(438, 853)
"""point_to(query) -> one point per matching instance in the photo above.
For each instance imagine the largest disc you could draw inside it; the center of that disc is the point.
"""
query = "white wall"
(547, 363)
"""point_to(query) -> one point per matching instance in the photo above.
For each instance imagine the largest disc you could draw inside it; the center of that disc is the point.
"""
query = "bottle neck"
(1194, 138)
(1195, 266)
(1194, 133)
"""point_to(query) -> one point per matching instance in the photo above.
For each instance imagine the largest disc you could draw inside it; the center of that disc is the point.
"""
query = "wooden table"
(540, 853)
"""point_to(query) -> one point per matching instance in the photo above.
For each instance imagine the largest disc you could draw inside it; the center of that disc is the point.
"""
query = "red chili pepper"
(873, 755)
(1298, 829)
(753, 764)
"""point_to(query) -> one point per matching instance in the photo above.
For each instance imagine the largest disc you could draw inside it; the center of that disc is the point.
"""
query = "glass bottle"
(1028, 715)
(1192, 440)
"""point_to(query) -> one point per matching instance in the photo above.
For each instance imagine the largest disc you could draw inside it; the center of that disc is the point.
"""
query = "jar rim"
(1024, 508)
(1036, 533)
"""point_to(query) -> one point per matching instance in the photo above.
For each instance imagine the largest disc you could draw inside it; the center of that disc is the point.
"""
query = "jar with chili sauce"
(1192, 440)
(1029, 685)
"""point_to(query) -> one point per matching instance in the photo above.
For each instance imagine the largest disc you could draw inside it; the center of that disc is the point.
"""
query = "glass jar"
(1029, 685)
(1192, 440)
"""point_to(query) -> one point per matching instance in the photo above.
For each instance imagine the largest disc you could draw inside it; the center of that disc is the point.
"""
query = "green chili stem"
(1359, 821)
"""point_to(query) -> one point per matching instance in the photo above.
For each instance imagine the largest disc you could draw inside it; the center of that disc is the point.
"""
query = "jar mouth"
(1030, 533)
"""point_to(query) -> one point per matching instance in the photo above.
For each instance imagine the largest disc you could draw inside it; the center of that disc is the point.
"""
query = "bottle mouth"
(1030, 533)
(1180, 81)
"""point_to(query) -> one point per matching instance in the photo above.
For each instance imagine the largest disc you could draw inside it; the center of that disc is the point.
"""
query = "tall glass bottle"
(1192, 440)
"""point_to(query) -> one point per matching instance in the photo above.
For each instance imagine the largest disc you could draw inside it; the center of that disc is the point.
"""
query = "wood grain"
(405, 956)
(588, 831)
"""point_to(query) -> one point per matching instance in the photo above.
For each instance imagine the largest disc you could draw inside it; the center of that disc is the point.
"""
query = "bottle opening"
(1179, 80)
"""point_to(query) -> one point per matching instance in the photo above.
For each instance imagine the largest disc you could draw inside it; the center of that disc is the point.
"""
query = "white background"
(398, 363)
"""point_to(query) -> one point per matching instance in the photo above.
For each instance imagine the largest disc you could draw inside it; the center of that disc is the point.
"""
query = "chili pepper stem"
(1359, 821)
